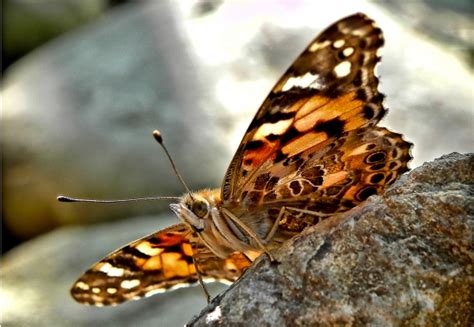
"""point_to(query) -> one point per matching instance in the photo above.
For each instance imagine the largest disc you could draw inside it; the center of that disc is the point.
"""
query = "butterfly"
(312, 150)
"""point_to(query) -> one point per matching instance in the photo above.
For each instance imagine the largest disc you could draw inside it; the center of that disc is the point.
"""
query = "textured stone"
(404, 258)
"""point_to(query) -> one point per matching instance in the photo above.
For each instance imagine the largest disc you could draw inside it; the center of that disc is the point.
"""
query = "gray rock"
(404, 258)
(27, 25)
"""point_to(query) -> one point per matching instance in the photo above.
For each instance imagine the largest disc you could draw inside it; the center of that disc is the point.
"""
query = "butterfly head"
(194, 210)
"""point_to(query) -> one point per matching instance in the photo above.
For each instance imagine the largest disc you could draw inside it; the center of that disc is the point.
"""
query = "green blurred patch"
(29, 24)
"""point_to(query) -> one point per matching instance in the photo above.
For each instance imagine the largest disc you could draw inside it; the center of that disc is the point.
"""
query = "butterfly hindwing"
(154, 264)
(335, 177)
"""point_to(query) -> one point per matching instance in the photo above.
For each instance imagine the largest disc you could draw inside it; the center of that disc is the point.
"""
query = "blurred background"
(85, 83)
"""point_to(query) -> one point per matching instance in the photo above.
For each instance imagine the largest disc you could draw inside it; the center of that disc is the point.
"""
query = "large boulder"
(403, 258)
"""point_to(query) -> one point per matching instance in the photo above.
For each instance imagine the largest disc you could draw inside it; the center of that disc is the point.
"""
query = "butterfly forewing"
(330, 89)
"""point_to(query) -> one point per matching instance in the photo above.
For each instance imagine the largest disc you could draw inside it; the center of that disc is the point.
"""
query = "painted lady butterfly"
(313, 150)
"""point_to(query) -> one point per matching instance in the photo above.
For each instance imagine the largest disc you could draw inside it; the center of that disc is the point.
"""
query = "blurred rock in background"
(79, 111)
(447, 23)
(26, 26)
(29, 24)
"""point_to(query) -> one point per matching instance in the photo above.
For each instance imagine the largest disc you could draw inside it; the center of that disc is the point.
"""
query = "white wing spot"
(343, 69)
(376, 69)
(111, 271)
(147, 249)
(111, 290)
(277, 128)
(153, 292)
(95, 290)
(316, 45)
(178, 286)
(208, 280)
(362, 31)
(338, 44)
(348, 51)
(307, 80)
(130, 283)
(163, 290)
(82, 286)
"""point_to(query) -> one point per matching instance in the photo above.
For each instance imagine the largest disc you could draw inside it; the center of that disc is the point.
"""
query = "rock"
(404, 258)
(78, 113)
(27, 25)
(452, 33)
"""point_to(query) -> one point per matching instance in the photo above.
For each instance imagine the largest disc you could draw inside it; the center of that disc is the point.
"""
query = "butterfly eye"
(200, 208)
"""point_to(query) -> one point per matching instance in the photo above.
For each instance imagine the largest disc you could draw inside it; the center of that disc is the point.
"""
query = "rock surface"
(404, 258)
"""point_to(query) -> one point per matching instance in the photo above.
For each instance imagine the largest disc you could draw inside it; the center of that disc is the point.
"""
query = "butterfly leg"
(274, 228)
(249, 232)
(201, 282)
(309, 212)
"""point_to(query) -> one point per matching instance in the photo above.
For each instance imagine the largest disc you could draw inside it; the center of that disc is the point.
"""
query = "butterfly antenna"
(62, 198)
(159, 139)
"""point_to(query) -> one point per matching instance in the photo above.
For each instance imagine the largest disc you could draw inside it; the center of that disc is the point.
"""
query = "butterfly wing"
(331, 178)
(313, 143)
(331, 88)
(158, 263)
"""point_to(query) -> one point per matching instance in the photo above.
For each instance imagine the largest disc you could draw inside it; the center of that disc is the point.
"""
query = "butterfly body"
(313, 150)
(201, 213)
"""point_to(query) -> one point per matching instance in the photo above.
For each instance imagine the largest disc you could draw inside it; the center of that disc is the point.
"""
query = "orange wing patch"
(321, 109)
